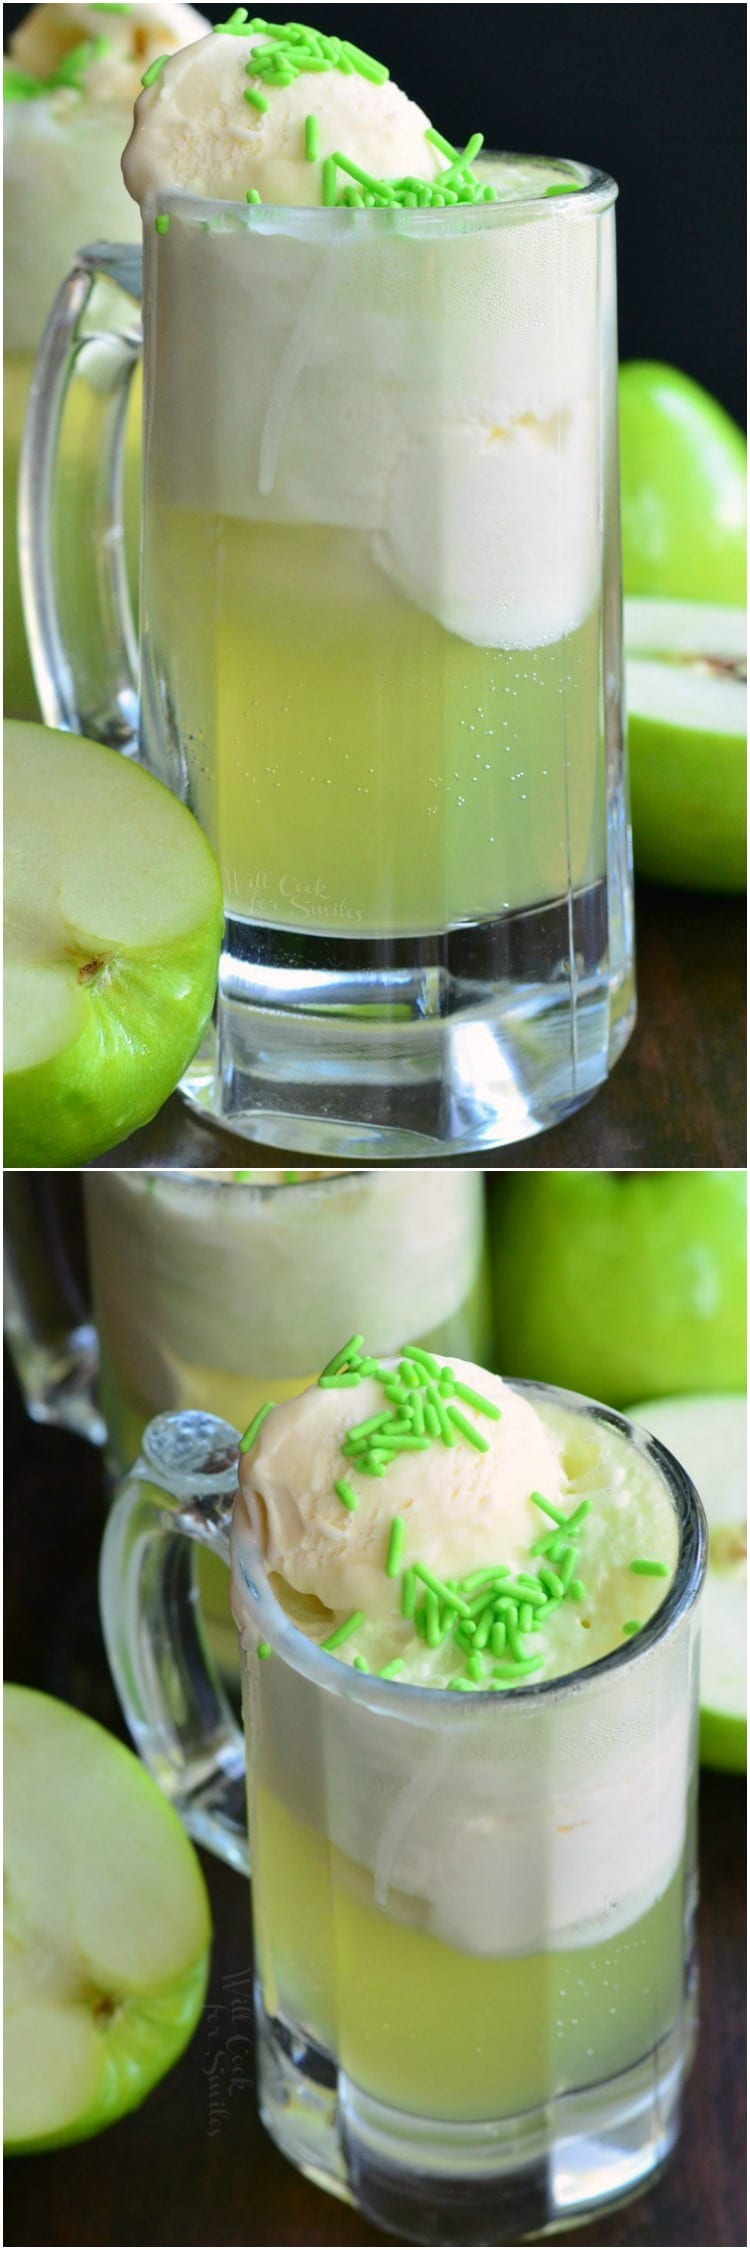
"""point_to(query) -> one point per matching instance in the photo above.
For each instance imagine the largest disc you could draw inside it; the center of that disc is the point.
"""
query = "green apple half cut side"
(709, 1437)
(113, 923)
(107, 1927)
(686, 694)
(683, 468)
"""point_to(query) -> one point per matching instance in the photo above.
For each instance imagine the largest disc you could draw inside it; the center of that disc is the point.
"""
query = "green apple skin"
(689, 805)
(621, 1285)
(715, 1462)
(89, 1793)
(683, 464)
(147, 1007)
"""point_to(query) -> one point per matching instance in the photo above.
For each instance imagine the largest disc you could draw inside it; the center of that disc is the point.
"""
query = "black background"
(653, 94)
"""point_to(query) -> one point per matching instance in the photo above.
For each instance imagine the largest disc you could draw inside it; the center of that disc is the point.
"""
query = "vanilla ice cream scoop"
(463, 1505)
(220, 120)
(129, 39)
(63, 140)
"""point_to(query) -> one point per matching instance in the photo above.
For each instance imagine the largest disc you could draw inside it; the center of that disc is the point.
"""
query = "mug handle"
(47, 1318)
(178, 1496)
(71, 542)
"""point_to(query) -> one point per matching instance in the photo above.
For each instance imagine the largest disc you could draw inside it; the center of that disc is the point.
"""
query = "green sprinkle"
(259, 1418)
(441, 1410)
(409, 1593)
(360, 1664)
(340, 1358)
(525, 1617)
(346, 1494)
(364, 1429)
(162, 223)
(645, 1569)
(395, 1547)
(475, 1668)
(365, 64)
(466, 1686)
(344, 1632)
(484, 1577)
(444, 1593)
(577, 1590)
(529, 1587)
(258, 100)
(475, 1438)
(312, 139)
(472, 1398)
(264, 1648)
(432, 1617)
(150, 76)
(391, 1671)
(567, 1567)
(431, 1419)
(422, 1359)
(472, 149)
(438, 142)
(234, 23)
(355, 172)
(571, 188)
(497, 1638)
(540, 1502)
(484, 1626)
(418, 1415)
(329, 181)
(549, 1579)
(345, 1381)
(544, 1546)
(252, 195)
(633, 1626)
(579, 1515)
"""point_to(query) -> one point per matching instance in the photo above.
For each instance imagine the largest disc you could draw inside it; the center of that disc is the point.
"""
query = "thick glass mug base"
(512, 2180)
(414, 1047)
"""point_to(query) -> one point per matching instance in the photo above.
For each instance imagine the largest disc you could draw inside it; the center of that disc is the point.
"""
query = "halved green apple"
(107, 1927)
(686, 670)
(709, 1437)
(113, 929)
(683, 464)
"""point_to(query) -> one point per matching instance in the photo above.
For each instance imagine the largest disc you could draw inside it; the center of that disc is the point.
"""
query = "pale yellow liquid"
(434, 2031)
(357, 768)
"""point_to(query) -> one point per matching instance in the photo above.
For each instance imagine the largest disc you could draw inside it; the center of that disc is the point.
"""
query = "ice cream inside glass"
(467, 1615)
(70, 79)
(379, 650)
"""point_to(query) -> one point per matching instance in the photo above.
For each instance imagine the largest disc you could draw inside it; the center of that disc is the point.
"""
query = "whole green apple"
(107, 1927)
(621, 1285)
(709, 1437)
(113, 919)
(685, 671)
(683, 464)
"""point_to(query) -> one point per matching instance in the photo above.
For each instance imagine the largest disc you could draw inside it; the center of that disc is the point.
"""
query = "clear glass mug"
(200, 1284)
(467, 2022)
(380, 644)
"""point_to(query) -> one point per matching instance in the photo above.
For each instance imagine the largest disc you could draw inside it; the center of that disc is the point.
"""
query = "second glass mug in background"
(474, 1928)
(215, 1292)
(380, 643)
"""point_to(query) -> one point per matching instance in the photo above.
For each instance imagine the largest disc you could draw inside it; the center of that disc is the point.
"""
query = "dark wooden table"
(161, 2176)
(677, 1097)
